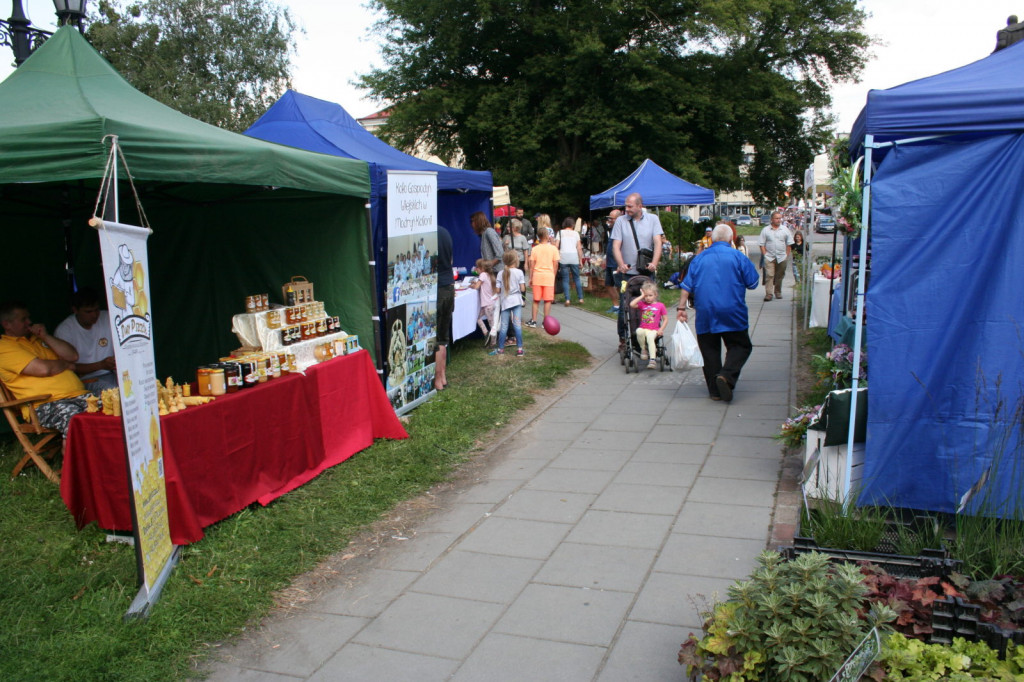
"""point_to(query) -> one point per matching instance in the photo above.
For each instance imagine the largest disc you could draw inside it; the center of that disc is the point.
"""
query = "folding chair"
(38, 442)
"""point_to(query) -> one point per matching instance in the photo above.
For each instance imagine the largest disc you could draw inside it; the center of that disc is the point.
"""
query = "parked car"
(766, 219)
(826, 224)
(743, 220)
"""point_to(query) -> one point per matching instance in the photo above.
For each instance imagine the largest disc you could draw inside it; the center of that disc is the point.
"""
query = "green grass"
(65, 591)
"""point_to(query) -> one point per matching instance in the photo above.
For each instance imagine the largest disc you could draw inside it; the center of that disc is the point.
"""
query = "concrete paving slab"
(678, 453)
(677, 599)
(566, 614)
(571, 480)
(689, 433)
(509, 658)
(596, 567)
(641, 499)
(754, 468)
(411, 624)
(645, 652)
(417, 553)
(546, 505)
(483, 577)
(366, 594)
(746, 446)
(550, 429)
(300, 644)
(517, 469)
(515, 537)
(582, 458)
(488, 491)
(458, 518)
(235, 673)
(621, 529)
(632, 422)
(710, 556)
(658, 474)
(528, 448)
(723, 519)
(359, 663)
(740, 492)
(610, 440)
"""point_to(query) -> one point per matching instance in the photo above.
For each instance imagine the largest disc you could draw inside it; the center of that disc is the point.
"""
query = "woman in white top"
(570, 254)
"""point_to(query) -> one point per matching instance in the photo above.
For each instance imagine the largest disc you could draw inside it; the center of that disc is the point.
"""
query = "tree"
(221, 61)
(563, 99)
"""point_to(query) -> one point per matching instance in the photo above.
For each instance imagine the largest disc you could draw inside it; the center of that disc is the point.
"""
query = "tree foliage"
(562, 99)
(221, 61)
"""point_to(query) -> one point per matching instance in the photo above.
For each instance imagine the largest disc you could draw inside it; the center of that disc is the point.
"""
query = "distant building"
(375, 120)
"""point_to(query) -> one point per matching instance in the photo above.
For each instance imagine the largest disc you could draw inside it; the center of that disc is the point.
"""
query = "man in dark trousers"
(718, 277)
(445, 306)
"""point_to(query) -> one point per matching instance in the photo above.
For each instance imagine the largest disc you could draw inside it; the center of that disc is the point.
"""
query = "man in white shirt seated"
(88, 330)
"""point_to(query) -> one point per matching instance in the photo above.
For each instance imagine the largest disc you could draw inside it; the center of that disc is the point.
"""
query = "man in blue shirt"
(718, 278)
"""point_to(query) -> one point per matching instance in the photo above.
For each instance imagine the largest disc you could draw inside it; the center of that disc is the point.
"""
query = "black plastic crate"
(930, 563)
(955, 617)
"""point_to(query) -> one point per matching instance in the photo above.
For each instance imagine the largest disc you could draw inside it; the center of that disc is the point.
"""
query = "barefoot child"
(511, 286)
(485, 285)
(544, 265)
(653, 319)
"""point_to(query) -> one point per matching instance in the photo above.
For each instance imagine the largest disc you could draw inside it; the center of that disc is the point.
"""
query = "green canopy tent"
(231, 215)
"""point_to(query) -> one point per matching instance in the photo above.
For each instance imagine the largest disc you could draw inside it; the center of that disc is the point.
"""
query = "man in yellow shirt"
(35, 363)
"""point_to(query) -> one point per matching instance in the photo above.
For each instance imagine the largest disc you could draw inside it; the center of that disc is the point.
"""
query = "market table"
(245, 447)
(467, 307)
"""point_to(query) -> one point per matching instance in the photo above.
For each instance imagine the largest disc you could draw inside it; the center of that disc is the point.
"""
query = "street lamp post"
(23, 38)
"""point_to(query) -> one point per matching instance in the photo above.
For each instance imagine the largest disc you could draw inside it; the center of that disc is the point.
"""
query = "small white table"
(467, 306)
(820, 295)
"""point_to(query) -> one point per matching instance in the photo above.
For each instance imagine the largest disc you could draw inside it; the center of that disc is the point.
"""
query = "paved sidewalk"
(583, 553)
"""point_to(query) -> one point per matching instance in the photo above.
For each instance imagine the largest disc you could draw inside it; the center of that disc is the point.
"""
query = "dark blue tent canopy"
(944, 308)
(657, 186)
(305, 122)
(981, 97)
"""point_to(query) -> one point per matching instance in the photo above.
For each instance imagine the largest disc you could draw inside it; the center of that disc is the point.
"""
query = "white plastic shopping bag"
(685, 353)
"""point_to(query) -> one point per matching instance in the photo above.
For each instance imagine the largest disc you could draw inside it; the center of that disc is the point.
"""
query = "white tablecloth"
(467, 305)
(820, 295)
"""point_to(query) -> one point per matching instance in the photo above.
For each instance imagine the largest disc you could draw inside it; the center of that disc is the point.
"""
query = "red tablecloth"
(250, 446)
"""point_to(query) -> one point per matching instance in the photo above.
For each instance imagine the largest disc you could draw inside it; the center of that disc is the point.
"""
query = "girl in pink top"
(485, 285)
(653, 320)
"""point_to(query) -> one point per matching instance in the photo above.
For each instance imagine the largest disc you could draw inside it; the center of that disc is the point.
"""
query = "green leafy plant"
(789, 622)
(910, 659)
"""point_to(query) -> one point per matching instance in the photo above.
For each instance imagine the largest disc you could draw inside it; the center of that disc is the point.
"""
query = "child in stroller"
(639, 302)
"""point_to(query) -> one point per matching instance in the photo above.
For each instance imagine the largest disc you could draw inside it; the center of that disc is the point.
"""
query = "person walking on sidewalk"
(570, 255)
(719, 276)
(543, 266)
(776, 244)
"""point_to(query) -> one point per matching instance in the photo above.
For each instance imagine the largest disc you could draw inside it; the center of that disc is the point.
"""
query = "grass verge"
(65, 591)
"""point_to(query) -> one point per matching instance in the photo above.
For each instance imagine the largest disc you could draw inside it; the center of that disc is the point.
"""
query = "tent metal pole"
(808, 257)
(374, 301)
(865, 213)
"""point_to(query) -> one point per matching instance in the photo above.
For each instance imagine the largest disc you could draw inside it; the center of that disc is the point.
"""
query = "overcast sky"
(917, 38)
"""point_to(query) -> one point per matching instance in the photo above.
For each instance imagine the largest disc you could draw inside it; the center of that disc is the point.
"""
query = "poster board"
(410, 338)
(126, 281)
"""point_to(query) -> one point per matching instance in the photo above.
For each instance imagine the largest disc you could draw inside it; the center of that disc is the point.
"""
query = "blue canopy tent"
(657, 186)
(308, 123)
(944, 174)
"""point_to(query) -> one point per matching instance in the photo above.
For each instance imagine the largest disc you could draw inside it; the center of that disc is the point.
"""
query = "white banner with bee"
(126, 278)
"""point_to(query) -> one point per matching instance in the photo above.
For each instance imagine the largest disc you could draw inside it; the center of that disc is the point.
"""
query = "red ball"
(551, 325)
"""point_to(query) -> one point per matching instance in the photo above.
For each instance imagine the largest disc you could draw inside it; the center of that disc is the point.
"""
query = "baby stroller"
(629, 319)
